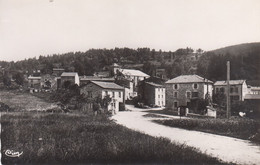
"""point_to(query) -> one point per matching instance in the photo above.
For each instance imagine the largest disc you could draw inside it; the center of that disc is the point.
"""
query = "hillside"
(238, 50)
(244, 60)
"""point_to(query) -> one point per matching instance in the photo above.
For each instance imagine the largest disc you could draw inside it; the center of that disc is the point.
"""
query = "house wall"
(77, 79)
(160, 96)
(149, 94)
(97, 91)
(67, 78)
(182, 98)
(210, 90)
(240, 93)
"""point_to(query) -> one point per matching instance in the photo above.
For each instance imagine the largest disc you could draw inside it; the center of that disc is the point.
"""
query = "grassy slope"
(82, 138)
(77, 138)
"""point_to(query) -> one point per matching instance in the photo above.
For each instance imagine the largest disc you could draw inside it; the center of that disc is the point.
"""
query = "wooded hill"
(244, 59)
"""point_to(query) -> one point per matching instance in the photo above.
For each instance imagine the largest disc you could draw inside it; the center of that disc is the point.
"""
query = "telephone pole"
(228, 89)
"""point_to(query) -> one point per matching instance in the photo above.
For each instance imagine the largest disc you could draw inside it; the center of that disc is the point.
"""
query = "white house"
(101, 89)
(72, 77)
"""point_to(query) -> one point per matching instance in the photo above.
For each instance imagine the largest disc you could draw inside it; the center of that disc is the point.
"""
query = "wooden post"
(228, 89)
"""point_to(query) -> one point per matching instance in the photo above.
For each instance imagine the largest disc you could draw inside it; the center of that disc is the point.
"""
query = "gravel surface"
(225, 148)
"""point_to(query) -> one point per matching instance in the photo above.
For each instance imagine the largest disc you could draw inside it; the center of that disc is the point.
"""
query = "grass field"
(77, 138)
(24, 101)
(237, 127)
(81, 138)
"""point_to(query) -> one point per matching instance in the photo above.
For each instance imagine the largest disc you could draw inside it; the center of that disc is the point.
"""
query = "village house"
(181, 90)
(34, 83)
(238, 89)
(96, 89)
(154, 94)
(57, 71)
(133, 76)
(87, 79)
(71, 77)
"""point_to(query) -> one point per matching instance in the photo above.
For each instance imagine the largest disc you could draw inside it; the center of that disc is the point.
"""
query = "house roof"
(58, 69)
(252, 97)
(153, 84)
(231, 82)
(188, 79)
(31, 77)
(107, 85)
(69, 74)
(94, 78)
(133, 72)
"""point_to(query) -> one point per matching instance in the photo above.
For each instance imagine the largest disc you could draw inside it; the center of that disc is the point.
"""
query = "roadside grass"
(164, 111)
(79, 138)
(154, 115)
(236, 127)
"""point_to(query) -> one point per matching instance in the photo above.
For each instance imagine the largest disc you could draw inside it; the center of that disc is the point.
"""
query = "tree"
(19, 79)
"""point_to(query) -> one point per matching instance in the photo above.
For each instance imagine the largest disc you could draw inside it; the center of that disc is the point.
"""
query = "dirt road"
(225, 148)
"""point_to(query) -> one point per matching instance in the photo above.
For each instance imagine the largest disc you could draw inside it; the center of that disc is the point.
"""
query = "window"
(236, 90)
(175, 104)
(113, 94)
(195, 94)
(175, 94)
(195, 86)
(119, 94)
(158, 89)
(222, 89)
(90, 94)
(234, 98)
(106, 93)
(217, 90)
(158, 102)
(162, 102)
(188, 94)
(158, 96)
(162, 96)
(175, 86)
(231, 90)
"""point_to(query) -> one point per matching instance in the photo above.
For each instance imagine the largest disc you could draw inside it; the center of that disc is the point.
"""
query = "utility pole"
(228, 89)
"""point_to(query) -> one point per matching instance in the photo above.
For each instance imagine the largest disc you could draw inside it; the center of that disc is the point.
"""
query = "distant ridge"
(240, 49)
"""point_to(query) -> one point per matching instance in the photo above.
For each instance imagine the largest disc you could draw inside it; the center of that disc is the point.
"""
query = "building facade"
(154, 94)
(72, 77)
(238, 89)
(180, 91)
(96, 89)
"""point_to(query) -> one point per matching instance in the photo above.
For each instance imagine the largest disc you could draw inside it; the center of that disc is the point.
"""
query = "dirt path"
(225, 148)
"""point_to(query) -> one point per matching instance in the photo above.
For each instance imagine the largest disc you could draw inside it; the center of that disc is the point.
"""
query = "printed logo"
(11, 153)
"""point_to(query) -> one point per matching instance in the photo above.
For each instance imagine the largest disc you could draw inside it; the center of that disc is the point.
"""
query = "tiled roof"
(73, 74)
(31, 77)
(188, 79)
(58, 69)
(133, 72)
(93, 78)
(153, 84)
(107, 85)
(231, 82)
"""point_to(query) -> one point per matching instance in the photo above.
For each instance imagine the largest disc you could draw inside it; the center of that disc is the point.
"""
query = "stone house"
(72, 77)
(181, 90)
(96, 89)
(238, 89)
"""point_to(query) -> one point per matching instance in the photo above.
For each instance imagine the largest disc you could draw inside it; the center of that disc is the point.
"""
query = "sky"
(29, 28)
